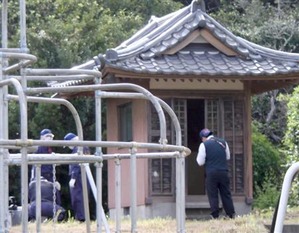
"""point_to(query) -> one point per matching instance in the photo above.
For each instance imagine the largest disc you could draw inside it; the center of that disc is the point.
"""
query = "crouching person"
(50, 209)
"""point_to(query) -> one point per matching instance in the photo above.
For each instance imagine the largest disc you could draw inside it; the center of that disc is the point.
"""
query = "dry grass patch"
(254, 222)
(166, 225)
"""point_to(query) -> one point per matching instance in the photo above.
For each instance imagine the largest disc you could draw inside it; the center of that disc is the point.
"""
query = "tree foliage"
(269, 114)
(65, 33)
(291, 141)
(273, 24)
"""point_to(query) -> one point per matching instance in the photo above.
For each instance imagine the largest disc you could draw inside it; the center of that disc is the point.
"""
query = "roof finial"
(198, 4)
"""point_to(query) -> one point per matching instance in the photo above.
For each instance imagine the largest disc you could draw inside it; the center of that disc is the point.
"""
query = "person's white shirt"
(201, 155)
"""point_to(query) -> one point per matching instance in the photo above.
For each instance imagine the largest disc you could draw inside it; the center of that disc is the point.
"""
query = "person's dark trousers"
(77, 200)
(219, 180)
(47, 210)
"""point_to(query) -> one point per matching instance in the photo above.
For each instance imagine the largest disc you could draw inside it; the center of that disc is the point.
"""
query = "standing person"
(75, 182)
(213, 153)
(46, 169)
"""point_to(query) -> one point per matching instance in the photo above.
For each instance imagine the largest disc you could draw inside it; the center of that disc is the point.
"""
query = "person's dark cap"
(205, 133)
(45, 131)
(69, 136)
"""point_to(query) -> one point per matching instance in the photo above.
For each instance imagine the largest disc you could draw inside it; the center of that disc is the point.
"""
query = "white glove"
(57, 185)
(72, 183)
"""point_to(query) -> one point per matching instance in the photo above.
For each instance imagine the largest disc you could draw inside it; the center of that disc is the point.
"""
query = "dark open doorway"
(195, 122)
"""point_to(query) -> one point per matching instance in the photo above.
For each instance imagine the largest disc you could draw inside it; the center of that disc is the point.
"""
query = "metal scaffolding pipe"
(77, 75)
(180, 161)
(95, 190)
(133, 194)
(61, 143)
(3, 92)
(24, 165)
(23, 40)
(85, 198)
(117, 195)
(56, 158)
(124, 86)
(4, 24)
(94, 73)
(11, 50)
(283, 202)
(46, 78)
(53, 159)
(80, 149)
(26, 59)
(38, 200)
(99, 166)
(164, 105)
(64, 102)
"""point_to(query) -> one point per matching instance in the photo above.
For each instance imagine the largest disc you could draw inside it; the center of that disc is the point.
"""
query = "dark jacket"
(215, 155)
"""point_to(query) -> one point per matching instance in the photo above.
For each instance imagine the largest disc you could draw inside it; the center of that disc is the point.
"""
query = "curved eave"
(156, 38)
(259, 82)
(119, 72)
(165, 33)
(271, 53)
(202, 63)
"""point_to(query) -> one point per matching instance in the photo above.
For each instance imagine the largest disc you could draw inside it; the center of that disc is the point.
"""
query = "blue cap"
(205, 133)
(69, 136)
(45, 131)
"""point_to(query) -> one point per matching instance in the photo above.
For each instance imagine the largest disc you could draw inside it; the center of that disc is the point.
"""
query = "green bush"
(267, 171)
(267, 195)
(266, 159)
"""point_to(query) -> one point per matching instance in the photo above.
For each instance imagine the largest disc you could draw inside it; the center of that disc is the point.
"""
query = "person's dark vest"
(46, 190)
(215, 155)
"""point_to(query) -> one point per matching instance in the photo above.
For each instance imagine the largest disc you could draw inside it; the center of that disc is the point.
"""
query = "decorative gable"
(190, 44)
(203, 37)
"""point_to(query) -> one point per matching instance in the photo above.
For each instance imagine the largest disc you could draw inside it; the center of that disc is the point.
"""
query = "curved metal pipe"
(123, 86)
(64, 102)
(24, 165)
(26, 59)
(115, 144)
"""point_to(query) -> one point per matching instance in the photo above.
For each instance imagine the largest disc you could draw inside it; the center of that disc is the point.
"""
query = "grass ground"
(254, 222)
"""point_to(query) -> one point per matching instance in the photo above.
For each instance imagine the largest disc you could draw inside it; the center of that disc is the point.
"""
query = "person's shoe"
(232, 216)
(61, 216)
(213, 217)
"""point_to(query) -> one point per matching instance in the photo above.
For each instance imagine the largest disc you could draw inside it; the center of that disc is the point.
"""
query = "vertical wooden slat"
(248, 142)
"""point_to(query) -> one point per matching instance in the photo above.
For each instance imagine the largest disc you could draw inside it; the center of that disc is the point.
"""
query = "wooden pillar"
(248, 144)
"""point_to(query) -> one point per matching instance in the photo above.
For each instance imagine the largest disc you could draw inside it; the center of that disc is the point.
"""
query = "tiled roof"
(147, 51)
(205, 62)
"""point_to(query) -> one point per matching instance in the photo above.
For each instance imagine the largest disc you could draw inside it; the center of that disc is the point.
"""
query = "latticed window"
(228, 124)
(161, 176)
(161, 170)
(125, 122)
